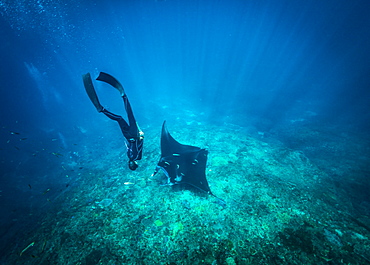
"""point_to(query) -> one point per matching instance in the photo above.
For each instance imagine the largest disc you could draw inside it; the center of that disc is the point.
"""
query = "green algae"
(177, 227)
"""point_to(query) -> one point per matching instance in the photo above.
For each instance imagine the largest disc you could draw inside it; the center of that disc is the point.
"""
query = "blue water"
(270, 67)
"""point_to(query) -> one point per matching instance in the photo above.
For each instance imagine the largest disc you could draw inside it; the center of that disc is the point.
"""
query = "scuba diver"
(134, 137)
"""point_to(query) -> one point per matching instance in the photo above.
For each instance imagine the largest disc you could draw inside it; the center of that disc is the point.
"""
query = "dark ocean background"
(295, 73)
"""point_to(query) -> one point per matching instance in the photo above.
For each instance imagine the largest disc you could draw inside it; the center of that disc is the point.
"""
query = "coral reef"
(281, 208)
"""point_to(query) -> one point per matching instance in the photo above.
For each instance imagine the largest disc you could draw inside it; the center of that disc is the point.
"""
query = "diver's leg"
(113, 116)
(121, 121)
(116, 84)
(130, 114)
(90, 90)
(107, 78)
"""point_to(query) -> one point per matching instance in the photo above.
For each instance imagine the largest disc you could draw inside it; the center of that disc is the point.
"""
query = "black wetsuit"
(131, 131)
(134, 141)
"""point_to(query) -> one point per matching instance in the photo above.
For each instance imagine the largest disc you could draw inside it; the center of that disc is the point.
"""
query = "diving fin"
(90, 90)
(107, 78)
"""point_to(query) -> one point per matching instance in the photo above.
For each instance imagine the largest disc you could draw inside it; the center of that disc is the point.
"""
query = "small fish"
(30, 245)
(29, 185)
(14, 133)
(43, 246)
(53, 140)
(128, 183)
(17, 148)
(22, 139)
(45, 191)
(57, 154)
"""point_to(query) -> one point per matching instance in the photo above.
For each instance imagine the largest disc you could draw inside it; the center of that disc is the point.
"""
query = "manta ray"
(182, 164)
